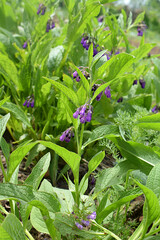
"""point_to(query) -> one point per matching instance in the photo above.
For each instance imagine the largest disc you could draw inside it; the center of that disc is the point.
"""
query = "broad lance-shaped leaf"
(3, 123)
(38, 171)
(17, 112)
(142, 51)
(101, 132)
(138, 154)
(151, 209)
(112, 207)
(27, 194)
(116, 66)
(153, 180)
(67, 91)
(13, 227)
(4, 234)
(150, 122)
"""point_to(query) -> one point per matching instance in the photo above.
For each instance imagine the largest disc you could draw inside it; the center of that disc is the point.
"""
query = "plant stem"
(106, 230)
(3, 171)
(29, 235)
(81, 140)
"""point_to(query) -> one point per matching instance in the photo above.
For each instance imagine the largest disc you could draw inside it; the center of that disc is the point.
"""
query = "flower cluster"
(155, 109)
(77, 77)
(50, 25)
(140, 29)
(120, 99)
(107, 92)
(67, 135)
(41, 9)
(29, 102)
(85, 113)
(135, 82)
(85, 223)
(86, 42)
(142, 83)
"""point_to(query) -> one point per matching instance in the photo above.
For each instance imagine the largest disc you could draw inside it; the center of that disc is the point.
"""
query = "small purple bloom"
(25, 45)
(75, 74)
(93, 180)
(32, 103)
(67, 135)
(95, 51)
(155, 109)
(25, 103)
(47, 27)
(107, 92)
(43, 10)
(86, 223)
(82, 119)
(135, 82)
(78, 79)
(118, 52)
(98, 98)
(100, 19)
(53, 25)
(92, 216)
(29, 102)
(83, 109)
(120, 99)
(140, 29)
(79, 225)
(89, 116)
(62, 137)
(75, 115)
(142, 83)
(85, 113)
(82, 41)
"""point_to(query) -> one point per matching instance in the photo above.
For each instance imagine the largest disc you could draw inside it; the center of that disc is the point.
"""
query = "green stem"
(12, 206)
(29, 235)
(81, 140)
(106, 230)
(3, 171)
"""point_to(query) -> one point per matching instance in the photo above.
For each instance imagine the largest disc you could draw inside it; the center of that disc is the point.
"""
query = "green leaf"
(100, 133)
(116, 66)
(139, 18)
(17, 112)
(153, 180)
(112, 207)
(3, 123)
(4, 234)
(17, 156)
(67, 91)
(151, 210)
(142, 51)
(55, 58)
(97, 57)
(71, 158)
(38, 171)
(150, 122)
(95, 161)
(13, 227)
(157, 237)
(138, 154)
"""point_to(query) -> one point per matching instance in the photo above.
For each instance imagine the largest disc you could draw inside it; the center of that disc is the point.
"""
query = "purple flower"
(100, 19)
(135, 82)
(47, 27)
(92, 216)
(25, 45)
(140, 29)
(79, 225)
(85, 113)
(78, 79)
(95, 51)
(98, 98)
(142, 83)
(93, 180)
(155, 109)
(107, 92)
(120, 99)
(29, 102)
(75, 74)
(86, 223)
(41, 9)
(50, 25)
(118, 52)
(67, 135)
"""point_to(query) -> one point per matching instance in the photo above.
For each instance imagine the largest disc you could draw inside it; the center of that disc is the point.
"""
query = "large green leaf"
(67, 91)
(153, 180)
(17, 112)
(142, 51)
(17, 156)
(103, 214)
(38, 171)
(55, 57)
(4, 235)
(13, 227)
(150, 122)
(100, 133)
(138, 154)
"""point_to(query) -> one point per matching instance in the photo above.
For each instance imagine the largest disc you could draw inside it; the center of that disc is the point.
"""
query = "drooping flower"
(92, 216)
(41, 9)
(98, 98)
(107, 92)
(141, 28)
(100, 19)
(67, 135)
(79, 225)
(77, 77)
(50, 25)
(85, 113)
(135, 82)
(86, 42)
(155, 109)
(142, 83)
(25, 45)
(120, 99)
(29, 102)
(85, 223)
